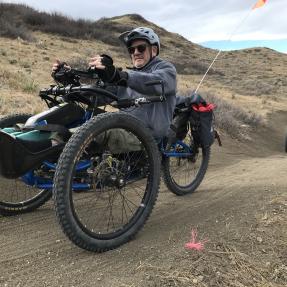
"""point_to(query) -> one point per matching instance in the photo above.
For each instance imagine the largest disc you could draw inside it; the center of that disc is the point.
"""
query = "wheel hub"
(108, 172)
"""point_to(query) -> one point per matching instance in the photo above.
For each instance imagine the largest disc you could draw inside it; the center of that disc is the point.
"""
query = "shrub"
(18, 20)
(10, 30)
(255, 87)
(230, 117)
(195, 68)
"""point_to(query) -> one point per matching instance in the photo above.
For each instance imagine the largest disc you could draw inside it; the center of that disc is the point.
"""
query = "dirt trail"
(241, 208)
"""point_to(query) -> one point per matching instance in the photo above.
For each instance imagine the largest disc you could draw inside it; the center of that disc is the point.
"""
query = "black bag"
(180, 124)
(201, 121)
(178, 128)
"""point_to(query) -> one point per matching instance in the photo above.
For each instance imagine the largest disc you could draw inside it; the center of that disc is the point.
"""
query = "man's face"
(141, 53)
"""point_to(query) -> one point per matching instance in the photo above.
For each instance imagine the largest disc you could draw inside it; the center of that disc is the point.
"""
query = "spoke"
(110, 213)
(123, 204)
(183, 171)
(135, 163)
(126, 201)
(17, 192)
(135, 189)
(107, 208)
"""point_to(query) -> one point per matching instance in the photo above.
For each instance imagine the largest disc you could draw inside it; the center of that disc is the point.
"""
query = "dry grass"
(238, 255)
(26, 68)
(231, 118)
(221, 267)
(19, 80)
(257, 71)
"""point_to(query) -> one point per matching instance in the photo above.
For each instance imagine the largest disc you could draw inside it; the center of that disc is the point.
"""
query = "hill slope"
(257, 71)
(253, 79)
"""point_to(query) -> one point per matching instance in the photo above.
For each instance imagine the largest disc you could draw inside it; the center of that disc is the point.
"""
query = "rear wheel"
(15, 196)
(183, 175)
(119, 186)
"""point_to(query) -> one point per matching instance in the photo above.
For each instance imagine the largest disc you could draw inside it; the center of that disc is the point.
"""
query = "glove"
(194, 99)
(111, 74)
(63, 75)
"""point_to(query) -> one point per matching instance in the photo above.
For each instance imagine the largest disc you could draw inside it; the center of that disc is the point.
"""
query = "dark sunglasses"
(141, 48)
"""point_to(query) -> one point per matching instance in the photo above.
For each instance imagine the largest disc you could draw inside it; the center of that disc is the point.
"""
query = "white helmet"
(144, 33)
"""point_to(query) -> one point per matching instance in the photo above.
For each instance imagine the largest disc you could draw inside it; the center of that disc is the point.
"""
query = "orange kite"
(259, 4)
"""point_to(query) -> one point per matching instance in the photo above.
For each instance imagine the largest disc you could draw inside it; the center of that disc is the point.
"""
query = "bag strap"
(216, 135)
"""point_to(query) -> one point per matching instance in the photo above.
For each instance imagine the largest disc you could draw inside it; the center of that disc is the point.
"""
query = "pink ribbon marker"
(199, 246)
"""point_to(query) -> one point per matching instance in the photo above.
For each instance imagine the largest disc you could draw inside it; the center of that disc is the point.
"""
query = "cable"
(219, 52)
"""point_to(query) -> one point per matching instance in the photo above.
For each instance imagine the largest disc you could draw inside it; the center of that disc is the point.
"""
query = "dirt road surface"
(241, 208)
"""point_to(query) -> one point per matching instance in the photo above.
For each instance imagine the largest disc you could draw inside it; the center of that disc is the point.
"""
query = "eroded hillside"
(253, 79)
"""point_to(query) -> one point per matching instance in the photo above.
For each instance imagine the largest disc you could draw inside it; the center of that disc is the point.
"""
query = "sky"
(219, 24)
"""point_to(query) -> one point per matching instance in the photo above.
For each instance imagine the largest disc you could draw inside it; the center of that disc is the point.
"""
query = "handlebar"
(98, 91)
(61, 91)
(90, 73)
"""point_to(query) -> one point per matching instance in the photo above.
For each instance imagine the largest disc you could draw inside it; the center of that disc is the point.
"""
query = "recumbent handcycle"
(102, 197)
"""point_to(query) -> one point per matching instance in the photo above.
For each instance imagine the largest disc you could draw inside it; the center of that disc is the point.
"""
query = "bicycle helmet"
(144, 33)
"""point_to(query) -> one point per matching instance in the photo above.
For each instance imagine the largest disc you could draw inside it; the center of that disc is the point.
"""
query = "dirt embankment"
(241, 208)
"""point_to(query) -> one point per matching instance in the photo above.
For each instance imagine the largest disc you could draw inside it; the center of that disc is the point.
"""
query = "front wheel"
(183, 175)
(106, 182)
(15, 196)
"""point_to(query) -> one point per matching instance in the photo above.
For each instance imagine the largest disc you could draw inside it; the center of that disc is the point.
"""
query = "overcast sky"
(197, 20)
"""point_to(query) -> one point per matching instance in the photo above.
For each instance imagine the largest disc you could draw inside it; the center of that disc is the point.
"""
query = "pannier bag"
(201, 121)
(200, 118)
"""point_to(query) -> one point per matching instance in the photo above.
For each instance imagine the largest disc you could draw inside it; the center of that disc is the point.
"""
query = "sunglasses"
(141, 48)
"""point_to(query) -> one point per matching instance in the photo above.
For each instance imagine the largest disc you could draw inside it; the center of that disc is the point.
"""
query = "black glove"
(111, 74)
(194, 99)
(64, 76)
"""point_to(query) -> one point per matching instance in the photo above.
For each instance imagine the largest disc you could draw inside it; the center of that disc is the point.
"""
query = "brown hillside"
(237, 76)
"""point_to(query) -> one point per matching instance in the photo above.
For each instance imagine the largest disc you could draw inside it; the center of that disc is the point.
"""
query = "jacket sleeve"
(165, 72)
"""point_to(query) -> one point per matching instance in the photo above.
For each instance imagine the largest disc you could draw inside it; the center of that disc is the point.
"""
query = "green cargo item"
(34, 136)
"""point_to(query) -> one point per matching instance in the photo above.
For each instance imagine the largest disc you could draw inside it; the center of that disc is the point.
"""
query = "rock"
(259, 239)
(195, 281)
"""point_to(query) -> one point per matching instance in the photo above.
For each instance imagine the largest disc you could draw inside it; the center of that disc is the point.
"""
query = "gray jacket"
(156, 116)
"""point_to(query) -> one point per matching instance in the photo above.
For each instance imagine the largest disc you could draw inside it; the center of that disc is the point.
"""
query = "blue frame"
(30, 179)
(187, 151)
(41, 183)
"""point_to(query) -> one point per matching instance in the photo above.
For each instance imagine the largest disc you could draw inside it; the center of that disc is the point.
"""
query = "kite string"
(219, 52)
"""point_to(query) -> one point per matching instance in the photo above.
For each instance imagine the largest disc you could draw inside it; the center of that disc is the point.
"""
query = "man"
(143, 45)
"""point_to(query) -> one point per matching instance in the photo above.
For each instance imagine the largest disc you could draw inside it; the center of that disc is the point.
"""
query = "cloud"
(198, 21)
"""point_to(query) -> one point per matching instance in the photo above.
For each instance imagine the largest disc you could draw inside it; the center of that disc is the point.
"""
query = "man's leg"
(119, 141)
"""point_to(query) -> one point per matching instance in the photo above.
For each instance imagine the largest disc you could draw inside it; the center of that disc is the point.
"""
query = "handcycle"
(103, 193)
